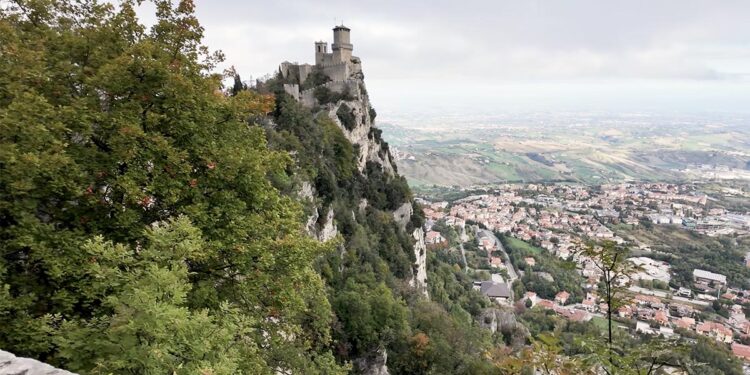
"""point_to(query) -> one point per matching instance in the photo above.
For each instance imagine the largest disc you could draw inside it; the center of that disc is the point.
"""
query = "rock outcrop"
(402, 215)
(419, 280)
(362, 134)
(12, 365)
(375, 365)
(504, 321)
(338, 91)
(329, 229)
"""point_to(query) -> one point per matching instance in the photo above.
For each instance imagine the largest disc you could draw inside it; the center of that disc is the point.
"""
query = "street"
(512, 273)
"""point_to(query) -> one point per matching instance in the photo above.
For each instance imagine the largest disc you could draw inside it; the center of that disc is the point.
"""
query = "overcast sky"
(651, 55)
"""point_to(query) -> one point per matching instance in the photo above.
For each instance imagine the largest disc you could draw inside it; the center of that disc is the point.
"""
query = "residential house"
(685, 322)
(434, 238)
(562, 297)
(741, 351)
(660, 316)
(498, 292)
(716, 331)
(709, 279)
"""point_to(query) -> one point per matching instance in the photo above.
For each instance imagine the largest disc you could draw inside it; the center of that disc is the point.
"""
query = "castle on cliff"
(342, 68)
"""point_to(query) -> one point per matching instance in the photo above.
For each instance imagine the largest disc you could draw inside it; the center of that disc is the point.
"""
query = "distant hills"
(571, 147)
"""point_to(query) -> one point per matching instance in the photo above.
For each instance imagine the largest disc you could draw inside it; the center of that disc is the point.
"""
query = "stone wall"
(324, 59)
(12, 365)
(293, 90)
(307, 97)
(295, 71)
(337, 72)
(342, 54)
(304, 71)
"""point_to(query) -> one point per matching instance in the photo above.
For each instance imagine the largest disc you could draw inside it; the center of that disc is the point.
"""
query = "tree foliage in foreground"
(140, 231)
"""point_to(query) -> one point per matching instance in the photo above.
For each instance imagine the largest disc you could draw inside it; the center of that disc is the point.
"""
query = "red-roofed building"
(729, 295)
(575, 315)
(715, 330)
(741, 351)
(685, 322)
(661, 317)
(433, 238)
(588, 305)
(546, 304)
(562, 297)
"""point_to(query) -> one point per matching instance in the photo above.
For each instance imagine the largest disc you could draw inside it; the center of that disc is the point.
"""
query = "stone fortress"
(343, 69)
(341, 73)
(338, 75)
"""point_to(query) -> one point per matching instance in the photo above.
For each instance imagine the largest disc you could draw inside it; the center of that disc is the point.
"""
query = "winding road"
(463, 252)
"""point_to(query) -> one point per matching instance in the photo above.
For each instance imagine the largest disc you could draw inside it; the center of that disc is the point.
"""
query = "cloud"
(494, 41)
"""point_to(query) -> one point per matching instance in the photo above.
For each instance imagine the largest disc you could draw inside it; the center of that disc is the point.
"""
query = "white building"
(707, 277)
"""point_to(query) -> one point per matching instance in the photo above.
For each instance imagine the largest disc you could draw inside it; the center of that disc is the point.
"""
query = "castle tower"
(342, 47)
(321, 49)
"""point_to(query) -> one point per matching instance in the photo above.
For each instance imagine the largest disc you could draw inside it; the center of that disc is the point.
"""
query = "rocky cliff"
(352, 190)
(12, 365)
(338, 92)
(362, 132)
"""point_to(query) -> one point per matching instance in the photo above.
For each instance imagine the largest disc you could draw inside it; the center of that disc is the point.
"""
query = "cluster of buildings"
(580, 312)
(658, 316)
(563, 218)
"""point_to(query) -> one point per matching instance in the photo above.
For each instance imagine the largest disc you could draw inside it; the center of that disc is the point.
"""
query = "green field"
(607, 149)
(520, 245)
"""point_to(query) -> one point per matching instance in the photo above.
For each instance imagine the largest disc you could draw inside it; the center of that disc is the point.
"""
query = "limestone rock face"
(329, 229)
(376, 365)
(362, 205)
(402, 215)
(419, 280)
(306, 191)
(311, 224)
(12, 365)
(363, 135)
(347, 80)
(504, 321)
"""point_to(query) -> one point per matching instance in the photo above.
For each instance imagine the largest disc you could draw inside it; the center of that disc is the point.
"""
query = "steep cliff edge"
(153, 221)
(354, 196)
(334, 91)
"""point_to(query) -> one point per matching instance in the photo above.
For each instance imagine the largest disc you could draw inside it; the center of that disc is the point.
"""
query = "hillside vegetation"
(151, 222)
(155, 221)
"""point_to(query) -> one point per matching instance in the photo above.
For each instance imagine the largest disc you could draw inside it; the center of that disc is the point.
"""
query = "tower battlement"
(342, 46)
(341, 49)
(343, 69)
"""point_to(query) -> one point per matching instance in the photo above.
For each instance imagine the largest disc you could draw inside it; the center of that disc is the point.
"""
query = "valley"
(568, 147)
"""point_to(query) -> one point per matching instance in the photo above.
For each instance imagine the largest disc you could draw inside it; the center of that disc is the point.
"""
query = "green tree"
(136, 209)
(611, 260)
